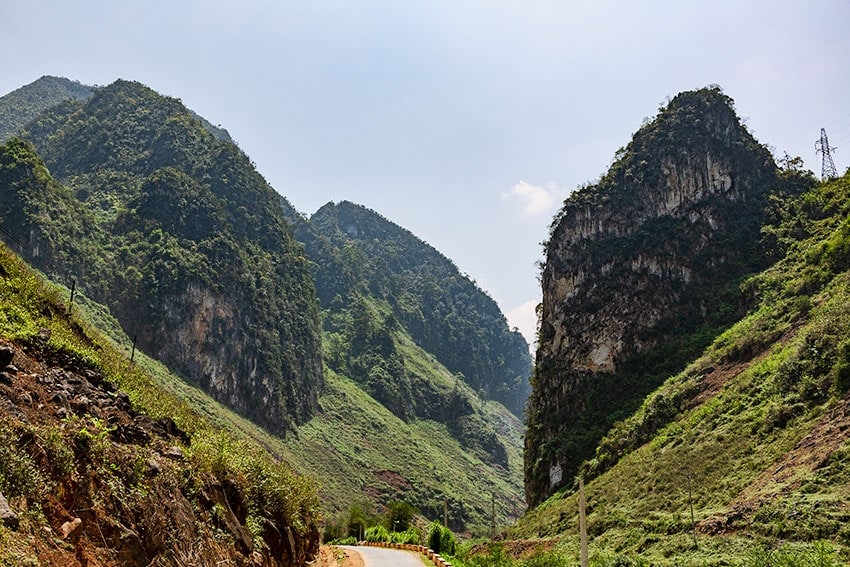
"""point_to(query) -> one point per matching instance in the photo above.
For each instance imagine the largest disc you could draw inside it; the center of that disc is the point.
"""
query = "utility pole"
(493, 514)
(828, 170)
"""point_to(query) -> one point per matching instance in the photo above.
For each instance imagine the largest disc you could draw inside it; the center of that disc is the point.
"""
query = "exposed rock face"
(214, 338)
(642, 269)
(7, 516)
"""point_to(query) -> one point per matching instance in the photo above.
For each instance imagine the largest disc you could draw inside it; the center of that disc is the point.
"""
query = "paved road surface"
(383, 557)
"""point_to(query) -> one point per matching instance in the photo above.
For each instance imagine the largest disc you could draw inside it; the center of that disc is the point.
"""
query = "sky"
(466, 122)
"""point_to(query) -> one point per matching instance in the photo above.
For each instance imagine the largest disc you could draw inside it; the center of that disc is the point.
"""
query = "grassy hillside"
(754, 435)
(104, 465)
(360, 453)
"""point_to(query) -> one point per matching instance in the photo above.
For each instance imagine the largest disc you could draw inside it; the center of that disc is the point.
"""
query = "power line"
(836, 121)
(841, 139)
(828, 166)
(11, 237)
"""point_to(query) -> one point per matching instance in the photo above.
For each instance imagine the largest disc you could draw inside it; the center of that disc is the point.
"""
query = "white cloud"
(536, 200)
(524, 318)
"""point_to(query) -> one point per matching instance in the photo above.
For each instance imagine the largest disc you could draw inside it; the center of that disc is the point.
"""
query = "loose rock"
(175, 453)
(68, 528)
(7, 516)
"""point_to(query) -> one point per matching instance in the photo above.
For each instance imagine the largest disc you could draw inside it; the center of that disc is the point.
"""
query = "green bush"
(554, 558)
(19, 475)
(410, 535)
(616, 560)
(377, 534)
(495, 556)
(441, 539)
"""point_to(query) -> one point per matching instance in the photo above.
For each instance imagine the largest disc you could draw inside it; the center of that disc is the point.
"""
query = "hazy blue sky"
(466, 122)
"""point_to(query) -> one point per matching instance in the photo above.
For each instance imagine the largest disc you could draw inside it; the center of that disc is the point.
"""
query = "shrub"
(821, 554)
(554, 558)
(19, 475)
(616, 560)
(409, 535)
(377, 534)
(441, 539)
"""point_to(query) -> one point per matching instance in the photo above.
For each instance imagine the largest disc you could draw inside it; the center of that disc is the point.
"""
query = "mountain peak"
(20, 106)
(641, 268)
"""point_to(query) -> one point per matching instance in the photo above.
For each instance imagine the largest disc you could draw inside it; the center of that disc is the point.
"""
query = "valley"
(202, 373)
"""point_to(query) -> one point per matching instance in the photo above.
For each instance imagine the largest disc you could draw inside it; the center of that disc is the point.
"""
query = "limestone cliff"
(642, 270)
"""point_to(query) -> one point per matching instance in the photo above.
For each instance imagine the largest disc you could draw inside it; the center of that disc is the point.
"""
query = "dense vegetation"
(179, 236)
(364, 255)
(368, 284)
(660, 244)
(199, 493)
(22, 105)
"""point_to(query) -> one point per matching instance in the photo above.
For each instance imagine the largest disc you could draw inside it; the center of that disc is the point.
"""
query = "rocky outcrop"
(642, 269)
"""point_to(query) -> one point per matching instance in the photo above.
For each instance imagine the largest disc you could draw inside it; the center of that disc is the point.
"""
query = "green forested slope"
(22, 105)
(175, 232)
(395, 423)
(179, 235)
(446, 313)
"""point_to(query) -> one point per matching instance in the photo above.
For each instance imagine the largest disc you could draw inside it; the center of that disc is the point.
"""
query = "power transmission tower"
(828, 169)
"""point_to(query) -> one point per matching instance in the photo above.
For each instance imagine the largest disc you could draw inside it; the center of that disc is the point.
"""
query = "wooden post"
(582, 521)
(133, 351)
(691, 504)
(446, 513)
(73, 289)
(493, 515)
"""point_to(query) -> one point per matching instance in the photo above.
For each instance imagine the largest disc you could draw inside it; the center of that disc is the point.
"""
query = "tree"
(399, 515)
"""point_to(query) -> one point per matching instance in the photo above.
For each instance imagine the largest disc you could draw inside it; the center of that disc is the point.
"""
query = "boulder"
(69, 528)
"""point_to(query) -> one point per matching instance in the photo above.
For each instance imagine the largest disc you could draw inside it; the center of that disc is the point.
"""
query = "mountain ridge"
(170, 219)
(753, 435)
